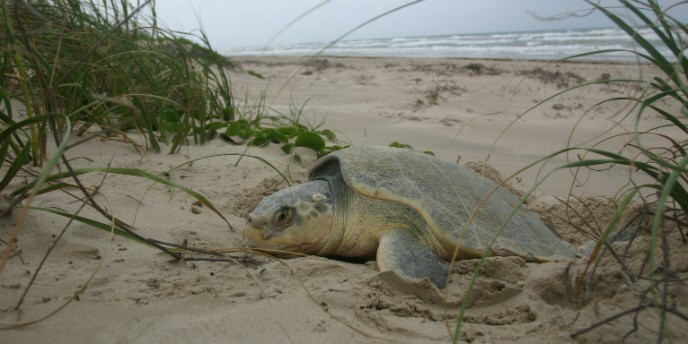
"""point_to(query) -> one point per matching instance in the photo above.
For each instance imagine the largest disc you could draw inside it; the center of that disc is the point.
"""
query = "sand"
(456, 108)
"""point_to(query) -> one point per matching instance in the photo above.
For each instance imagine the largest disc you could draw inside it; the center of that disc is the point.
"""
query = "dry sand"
(455, 108)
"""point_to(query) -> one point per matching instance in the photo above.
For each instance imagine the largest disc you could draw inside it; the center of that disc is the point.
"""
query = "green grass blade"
(50, 164)
(93, 223)
(671, 118)
(657, 58)
(5, 134)
(134, 173)
(677, 192)
(3, 153)
(670, 186)
(666, 36)
(18, 162)
(54, 187)
(613, 223)
(241, 155)
(605, 51)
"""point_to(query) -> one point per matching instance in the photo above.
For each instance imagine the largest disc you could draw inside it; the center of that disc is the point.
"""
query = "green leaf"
(275, 136)
(234, 128)
(260, 140)
(216, 125)
(310, 140)
(287, 147)
(331, 149)
(228, 114)
(289, 131)
(329, 134)
(241, 128)
(397, 144)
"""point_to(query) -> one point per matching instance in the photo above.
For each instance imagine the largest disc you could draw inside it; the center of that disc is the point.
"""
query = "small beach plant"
(279, 131)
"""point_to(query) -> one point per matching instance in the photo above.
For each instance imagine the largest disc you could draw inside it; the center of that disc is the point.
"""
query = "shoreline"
(518, 45)
(487, 59)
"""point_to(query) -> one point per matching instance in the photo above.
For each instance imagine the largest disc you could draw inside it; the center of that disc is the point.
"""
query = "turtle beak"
(256, 220)
(254, 236)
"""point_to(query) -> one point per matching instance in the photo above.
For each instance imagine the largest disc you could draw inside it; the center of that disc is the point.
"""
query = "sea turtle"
(408, 207)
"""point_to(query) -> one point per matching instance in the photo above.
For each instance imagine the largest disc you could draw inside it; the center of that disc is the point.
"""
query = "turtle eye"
(283, 217)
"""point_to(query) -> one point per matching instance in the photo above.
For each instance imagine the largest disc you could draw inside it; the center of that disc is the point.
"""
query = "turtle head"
(296, 219)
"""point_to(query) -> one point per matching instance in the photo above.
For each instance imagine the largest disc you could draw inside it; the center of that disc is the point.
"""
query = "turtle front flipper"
(401, 252)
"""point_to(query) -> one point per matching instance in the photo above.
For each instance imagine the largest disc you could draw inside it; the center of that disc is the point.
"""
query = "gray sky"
(242, 23)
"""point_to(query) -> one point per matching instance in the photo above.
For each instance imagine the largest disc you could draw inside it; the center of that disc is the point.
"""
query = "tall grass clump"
(666, 197)
(106, 65)
(100, 69)
(75, 70)
(655, 159)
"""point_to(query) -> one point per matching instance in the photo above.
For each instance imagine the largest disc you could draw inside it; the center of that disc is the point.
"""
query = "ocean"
(531, 45)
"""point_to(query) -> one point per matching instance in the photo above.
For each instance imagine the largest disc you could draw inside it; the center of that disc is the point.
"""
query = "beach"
(497, 116)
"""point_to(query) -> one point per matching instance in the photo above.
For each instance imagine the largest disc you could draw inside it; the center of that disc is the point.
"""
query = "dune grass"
(666, 165)
(108, 65)
(101, 69)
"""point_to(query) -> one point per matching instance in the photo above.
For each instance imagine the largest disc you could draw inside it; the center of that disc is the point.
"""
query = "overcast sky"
(242, 23)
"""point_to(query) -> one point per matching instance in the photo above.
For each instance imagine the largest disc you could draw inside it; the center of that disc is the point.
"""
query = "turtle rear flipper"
(401, 252)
